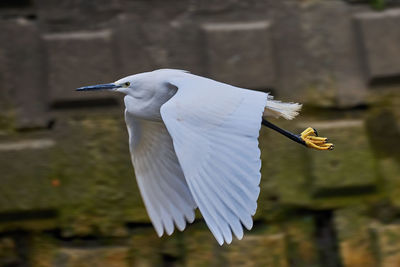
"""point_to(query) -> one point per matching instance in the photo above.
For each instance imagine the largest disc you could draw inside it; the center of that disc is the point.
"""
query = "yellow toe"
(309, 136)
(308, 132)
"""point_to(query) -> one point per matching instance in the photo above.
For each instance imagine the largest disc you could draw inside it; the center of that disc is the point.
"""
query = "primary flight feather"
(194, 143)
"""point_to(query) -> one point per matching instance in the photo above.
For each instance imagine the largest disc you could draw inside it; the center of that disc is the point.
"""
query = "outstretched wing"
(215, 129)
(161, 182)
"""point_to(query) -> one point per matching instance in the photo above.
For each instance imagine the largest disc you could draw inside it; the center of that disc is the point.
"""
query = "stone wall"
(68, 196)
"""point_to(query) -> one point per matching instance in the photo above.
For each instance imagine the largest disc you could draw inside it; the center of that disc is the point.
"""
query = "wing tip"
(190, 217)
(240, 237)
(228, 237)
(248, 223)
(170, 231)
(160, 232)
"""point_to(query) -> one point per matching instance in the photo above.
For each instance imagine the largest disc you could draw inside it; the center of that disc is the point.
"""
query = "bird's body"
(194, 143)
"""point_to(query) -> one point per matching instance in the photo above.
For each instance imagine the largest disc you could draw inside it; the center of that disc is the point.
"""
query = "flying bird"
(194, 144)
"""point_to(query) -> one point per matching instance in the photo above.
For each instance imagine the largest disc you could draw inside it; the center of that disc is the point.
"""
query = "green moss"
(378, 4)
(43, 250)
(350, 169)
(251, 250)
(390, 170)
(355, 241)
(28, 224)
(99, 182)
(387, 247)
(26, 182)
(7, 121)
(201, 248)
(381, 125)
(146, 247)
(284, 172)
(86, 178)
(300, 241)
(294, 176)
(322, 92)
(8, 252)
(384, 130)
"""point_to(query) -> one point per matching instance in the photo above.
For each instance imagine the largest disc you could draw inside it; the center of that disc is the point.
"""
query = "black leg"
(289, 135)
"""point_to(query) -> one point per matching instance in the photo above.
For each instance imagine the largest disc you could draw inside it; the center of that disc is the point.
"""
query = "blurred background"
(68, 196)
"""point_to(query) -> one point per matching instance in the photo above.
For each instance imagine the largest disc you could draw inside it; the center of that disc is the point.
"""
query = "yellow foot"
(310, 137)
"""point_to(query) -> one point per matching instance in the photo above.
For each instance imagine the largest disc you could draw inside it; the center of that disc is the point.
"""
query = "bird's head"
(144, 93)
(124, 85)
(137, 86)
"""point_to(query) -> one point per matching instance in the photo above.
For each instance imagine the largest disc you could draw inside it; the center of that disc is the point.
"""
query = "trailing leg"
(309, 137)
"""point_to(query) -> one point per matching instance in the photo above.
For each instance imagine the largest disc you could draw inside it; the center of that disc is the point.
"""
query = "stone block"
(77, 59)
(22, 78)
(201, 246)
(26, 162)
(46, 251)
(76, 15)
(82, 172)
(390, 171)
(42, 249)
(185, 44)
(356, 243)
(300, 238)
(157, 34)
(347, 170)
(230, 59)
(380, 39)
(135, 54)
(251, 250)
(333, 54)
(87, 257)
(383, 125)
(195, 246)
(285, 178)
(97, 181)
(18, 8)
(388, 244)
(317, 54)
(146, 247)
(9, 252)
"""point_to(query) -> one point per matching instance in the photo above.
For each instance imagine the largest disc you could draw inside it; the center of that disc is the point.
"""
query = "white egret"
(194, 143)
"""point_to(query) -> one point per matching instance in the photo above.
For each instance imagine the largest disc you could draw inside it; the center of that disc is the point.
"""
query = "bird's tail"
(278, 109)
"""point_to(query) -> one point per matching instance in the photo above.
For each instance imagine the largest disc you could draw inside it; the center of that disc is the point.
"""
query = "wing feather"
(215, 128)
(162, 185)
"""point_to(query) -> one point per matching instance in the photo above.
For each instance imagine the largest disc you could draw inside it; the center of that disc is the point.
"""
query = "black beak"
(107, 86)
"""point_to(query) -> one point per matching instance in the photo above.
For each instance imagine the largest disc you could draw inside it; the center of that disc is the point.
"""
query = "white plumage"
(194, 143)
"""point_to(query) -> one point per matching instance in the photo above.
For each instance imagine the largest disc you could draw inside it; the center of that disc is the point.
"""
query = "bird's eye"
(127, 84)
